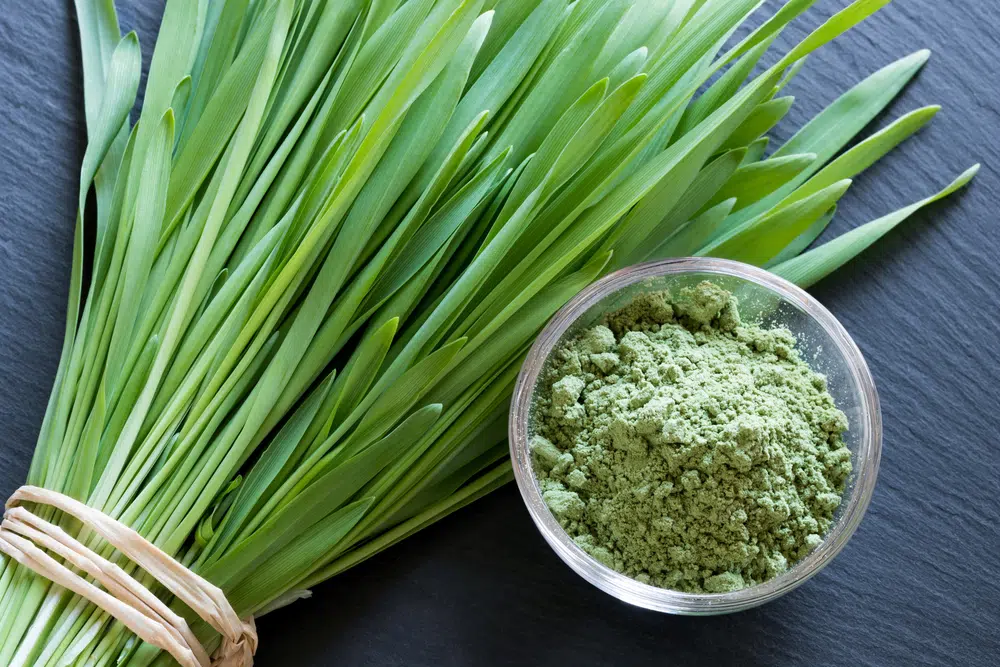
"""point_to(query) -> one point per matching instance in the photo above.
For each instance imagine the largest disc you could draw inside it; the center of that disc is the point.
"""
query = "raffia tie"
(23, 533)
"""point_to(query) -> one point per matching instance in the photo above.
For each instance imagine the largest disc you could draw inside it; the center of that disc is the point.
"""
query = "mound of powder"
(686, 449)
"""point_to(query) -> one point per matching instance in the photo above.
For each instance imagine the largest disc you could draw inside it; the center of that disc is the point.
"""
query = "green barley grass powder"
(687, 449)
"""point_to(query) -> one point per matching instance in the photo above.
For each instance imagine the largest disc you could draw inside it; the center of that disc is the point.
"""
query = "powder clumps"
(687, 449)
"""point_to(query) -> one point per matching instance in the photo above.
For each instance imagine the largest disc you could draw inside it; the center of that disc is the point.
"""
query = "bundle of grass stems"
(325, 245)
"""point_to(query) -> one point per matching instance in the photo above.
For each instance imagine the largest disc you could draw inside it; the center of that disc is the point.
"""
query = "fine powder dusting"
(686, 449)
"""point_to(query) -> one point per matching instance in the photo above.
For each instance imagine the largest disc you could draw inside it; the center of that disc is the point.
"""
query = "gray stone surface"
(918, 585)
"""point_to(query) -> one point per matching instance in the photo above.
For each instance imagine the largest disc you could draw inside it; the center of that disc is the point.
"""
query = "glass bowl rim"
(866, 461)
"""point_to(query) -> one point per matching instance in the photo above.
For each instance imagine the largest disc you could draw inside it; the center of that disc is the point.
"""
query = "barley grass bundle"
(324, 247)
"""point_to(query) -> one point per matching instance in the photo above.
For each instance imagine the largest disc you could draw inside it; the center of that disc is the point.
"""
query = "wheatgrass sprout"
(325, 245)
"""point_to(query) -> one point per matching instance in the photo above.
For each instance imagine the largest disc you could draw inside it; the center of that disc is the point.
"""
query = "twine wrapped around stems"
(27, 539)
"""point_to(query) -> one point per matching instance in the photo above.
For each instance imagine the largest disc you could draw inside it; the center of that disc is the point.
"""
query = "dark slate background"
(918, 585)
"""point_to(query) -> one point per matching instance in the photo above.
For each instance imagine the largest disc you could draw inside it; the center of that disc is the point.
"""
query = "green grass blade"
(208, 139)
(712, 177)
(759, 242)
(99, 33)
(632, 34)
(503, 73)
(693, 235)
(321, 492)
(704, 32)
(813, 266)
(760, 122)
(755, 181)
(721, 90)
(559, 86)
(500, 336)
(866, 153)
(629, 66)
(123, 82)
(755, 151)
(264, 473)
(282, 570)
(404, 393)
(375, 60)
(213, 61)
(432, 235)
(804, 240)
(833, 128)
(147, 219)
(829, 132)
(486, 484)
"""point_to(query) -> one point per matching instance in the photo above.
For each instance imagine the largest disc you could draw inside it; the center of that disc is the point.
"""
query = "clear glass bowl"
(766, 299)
